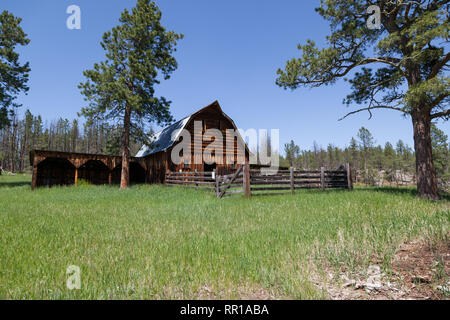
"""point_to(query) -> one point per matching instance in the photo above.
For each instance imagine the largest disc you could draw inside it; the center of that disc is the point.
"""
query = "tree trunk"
(365, 167)
(23, 150)
(13, 146)
(426, 174)
(125, 177)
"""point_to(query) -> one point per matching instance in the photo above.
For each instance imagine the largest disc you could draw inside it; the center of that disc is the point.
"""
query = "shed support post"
(246, 182)
(76, 176)
(34, 177)
(322, 178)
(110, 178)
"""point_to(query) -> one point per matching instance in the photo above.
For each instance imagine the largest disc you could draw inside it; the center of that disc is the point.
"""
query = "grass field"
(155, 242)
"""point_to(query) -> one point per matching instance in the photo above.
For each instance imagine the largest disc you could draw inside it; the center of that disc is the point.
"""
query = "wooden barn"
(151, 163)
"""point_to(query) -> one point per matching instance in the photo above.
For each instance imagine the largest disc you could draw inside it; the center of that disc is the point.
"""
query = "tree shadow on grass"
(13, 184)
(401, 191)
(391, 190)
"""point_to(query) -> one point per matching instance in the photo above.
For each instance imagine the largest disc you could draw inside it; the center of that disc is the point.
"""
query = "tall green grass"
(156, 242)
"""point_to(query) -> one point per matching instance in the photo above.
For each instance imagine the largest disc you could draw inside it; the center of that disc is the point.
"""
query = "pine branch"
(439, 65)
(371, 108)
(443, 114)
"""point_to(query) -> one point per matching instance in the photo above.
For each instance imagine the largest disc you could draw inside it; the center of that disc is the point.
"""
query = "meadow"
(157, 242)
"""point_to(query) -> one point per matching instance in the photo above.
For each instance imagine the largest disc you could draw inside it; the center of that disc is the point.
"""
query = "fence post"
(349, 176)
(292, 181)
(246, 182)
(217, 186)
(322, 178)
(195, 174)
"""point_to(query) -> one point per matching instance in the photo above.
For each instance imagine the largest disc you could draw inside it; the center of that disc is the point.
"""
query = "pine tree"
(121, 88)
(355, 159)
(13, 74)
(366, 144)
(74, 136)
(292, 152)
(407, 71)
(389, 162)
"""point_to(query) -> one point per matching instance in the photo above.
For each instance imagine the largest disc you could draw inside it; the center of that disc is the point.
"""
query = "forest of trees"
(31, 132)
(393, 163)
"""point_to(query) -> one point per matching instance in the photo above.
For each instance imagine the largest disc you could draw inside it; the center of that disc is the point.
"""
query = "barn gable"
(166, 138)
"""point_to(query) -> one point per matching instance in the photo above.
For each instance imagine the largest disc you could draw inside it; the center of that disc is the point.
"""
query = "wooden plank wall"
(210, 119)
(156, 167)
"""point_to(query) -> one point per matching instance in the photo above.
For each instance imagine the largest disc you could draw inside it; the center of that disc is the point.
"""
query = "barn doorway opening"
(210, 167)
(55, 171)
(115, 174)
(137, 173)
(94, 172)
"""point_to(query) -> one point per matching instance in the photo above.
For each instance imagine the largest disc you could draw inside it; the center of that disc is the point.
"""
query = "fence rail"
(290, 180)
(198, 180)
(259, 182)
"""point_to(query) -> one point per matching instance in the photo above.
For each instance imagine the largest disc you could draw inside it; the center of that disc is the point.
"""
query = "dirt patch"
(418, 271)
(424, 270)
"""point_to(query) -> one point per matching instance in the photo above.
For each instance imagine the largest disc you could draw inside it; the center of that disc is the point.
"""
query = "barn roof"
(165, 138)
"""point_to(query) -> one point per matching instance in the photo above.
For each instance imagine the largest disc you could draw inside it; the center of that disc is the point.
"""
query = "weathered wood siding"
(156, 167)
(210, 118)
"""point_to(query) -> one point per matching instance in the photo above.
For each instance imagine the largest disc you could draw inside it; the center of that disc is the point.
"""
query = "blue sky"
(230, 53)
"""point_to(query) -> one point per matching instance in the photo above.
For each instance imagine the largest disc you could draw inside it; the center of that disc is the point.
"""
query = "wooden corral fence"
(291, 180)
(259, 182)
(198, 180)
